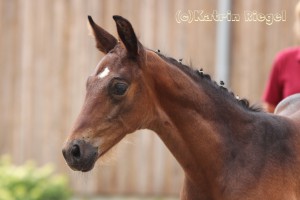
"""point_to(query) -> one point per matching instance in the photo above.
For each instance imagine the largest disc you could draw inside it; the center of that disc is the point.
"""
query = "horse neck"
(191, 121)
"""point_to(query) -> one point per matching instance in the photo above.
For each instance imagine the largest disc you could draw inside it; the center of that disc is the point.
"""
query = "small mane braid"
(196, 75)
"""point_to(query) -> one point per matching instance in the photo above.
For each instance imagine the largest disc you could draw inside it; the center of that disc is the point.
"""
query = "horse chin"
(83, 167)
(87, 169)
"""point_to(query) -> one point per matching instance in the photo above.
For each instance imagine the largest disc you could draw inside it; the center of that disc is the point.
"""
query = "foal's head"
(117, 101)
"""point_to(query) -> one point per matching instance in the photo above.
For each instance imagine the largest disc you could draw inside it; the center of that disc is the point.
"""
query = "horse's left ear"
(127, 35)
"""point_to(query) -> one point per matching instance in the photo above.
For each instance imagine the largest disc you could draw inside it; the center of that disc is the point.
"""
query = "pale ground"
(123, 198)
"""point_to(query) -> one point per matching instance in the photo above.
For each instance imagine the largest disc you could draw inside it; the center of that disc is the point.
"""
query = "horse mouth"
(83, 167)
(80, 155)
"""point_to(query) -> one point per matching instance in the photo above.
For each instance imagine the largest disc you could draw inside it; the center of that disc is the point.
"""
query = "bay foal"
(227, 149)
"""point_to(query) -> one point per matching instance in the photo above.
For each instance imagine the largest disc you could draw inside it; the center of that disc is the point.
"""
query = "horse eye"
(119, 88)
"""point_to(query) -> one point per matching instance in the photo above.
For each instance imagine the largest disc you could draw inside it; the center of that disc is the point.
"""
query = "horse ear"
(127, 35)
(104, 40)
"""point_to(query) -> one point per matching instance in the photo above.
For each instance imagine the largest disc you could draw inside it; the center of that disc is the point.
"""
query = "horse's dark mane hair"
(196, 75)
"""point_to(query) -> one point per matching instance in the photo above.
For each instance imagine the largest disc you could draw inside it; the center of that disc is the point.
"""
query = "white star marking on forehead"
(104, 73)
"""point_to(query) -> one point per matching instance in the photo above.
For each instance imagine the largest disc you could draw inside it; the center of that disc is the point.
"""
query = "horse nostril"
(75, 151)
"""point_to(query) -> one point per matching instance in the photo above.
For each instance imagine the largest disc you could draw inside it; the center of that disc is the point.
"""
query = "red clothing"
(285, 76)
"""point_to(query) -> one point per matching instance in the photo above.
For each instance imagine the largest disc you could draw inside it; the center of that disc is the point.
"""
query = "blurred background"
(46, 54)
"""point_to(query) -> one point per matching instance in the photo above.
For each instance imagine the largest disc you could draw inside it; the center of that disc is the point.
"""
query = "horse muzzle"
(80, 155)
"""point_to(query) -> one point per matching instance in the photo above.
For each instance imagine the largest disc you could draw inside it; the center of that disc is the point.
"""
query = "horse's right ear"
(104, 40)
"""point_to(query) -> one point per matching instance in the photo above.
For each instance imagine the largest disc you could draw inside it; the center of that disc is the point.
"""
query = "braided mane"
(197, 75)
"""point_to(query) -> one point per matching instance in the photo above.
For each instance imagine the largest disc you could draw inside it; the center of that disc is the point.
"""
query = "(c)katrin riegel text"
(190, 16)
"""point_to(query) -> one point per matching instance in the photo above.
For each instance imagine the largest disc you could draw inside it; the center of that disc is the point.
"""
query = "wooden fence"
(46, 55)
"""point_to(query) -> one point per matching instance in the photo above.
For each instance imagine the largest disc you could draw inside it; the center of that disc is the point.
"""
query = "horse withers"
(227, 149)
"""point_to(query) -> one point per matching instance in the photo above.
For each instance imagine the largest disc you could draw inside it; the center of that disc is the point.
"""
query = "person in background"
(284, 79)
